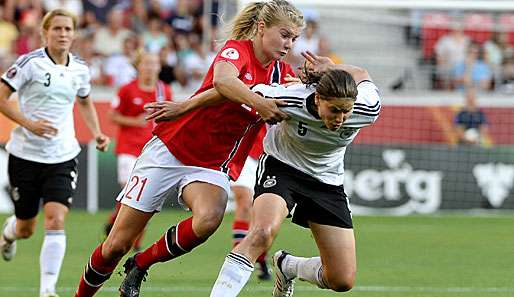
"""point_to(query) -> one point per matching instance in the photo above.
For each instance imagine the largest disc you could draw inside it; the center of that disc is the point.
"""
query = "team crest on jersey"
(11, 72)
(248, 76)
(230, 53)
(138, 101)
(347, 132)
(269, 182)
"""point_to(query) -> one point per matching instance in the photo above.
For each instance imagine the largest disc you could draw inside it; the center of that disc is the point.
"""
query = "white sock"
(10, 229)
(306, 269)
(50, 260)
(234, 274)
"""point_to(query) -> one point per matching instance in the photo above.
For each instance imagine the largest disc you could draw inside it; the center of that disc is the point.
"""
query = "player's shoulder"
(368, 99)
(234, 49)
(30, 57)
(78, 63)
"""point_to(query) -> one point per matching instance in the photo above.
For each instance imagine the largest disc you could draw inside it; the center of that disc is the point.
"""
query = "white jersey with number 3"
(303, 141)
(47, 91)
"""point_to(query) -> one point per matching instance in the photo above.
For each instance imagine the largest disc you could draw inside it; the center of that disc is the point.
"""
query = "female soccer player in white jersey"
(300, 174)
(43, 148)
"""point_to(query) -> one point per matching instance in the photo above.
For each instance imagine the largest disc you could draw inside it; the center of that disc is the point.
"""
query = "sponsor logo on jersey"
(11, 72)
(137, 101)
(230, 53)
(248, 76)
(269, 182)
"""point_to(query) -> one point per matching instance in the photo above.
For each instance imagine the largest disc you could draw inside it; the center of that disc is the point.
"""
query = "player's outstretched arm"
(169, 110)
(227, 83)
(88, 112)
(321, 64)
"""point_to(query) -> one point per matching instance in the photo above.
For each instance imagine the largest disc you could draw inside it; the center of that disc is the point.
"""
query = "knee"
(207, 221)
(341, 282)
(24, 232)
(116, 248)
(261, 237)
(54, 222)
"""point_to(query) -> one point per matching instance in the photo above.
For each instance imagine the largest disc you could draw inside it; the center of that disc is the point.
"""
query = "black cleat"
(131, 284)
(264, 271)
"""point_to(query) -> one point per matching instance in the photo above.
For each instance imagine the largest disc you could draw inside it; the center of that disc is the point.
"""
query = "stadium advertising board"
(400, 180)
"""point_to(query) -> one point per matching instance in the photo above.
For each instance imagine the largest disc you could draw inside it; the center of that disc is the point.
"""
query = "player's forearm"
(122, 120)
(88, 113)
(13, 114)
(235, 90)
(206, 98)
(359, 74)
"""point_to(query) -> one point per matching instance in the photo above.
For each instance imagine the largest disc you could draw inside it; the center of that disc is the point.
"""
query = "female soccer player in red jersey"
(128, 113)
(196, 154)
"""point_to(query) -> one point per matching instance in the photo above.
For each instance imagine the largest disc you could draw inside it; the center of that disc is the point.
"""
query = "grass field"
(418, 256)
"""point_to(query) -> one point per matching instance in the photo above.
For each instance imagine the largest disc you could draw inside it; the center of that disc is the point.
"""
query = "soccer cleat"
(264, 271)
(283, 287)
(7, 248)
(131, 284)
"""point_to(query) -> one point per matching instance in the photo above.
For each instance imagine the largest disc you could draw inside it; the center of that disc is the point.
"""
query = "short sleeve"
(235, 53)
(18, 74)
(118, 102)
(85, 84)
(368, 104)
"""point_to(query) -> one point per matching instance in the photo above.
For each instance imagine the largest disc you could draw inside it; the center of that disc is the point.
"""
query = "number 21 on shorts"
(135, 187)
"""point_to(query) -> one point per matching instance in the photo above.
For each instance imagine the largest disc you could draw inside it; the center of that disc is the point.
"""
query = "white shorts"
(247, 177)
(125, 164)
(158, 175)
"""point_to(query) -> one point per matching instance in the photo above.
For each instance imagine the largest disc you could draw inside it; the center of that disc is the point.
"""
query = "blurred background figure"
(450, 51)
(470, 121)
(474, 70)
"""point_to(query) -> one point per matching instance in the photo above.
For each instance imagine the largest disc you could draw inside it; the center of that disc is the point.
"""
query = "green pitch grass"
(418, 256)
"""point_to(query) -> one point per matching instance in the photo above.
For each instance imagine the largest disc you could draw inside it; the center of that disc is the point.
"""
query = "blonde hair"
(244, 25)
(47, 19)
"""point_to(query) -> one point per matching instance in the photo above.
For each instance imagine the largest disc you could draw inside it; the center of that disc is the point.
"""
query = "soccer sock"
(239, 231)
(262, 258)
(50, 259)
(178, 240)
(306, 269)
(234, 274)
(97, 272)
(9, 231)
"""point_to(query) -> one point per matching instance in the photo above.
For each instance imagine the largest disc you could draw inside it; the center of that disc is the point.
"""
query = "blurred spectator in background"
(8, 34)
(119, 68)
(450, 50)
(470, 122)
(324, 49)
(100, 9)
(196, 61)
(109, 40)
(84, 49)
(138, 16)
(73, 6)
(153, 38)
(496, 50)
(473, 71)
(508, 74)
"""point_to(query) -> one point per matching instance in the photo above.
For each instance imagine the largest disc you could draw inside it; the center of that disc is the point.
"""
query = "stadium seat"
(478, 26)
(433, 26)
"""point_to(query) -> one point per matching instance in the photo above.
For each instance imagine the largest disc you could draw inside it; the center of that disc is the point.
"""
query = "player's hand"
(165, 110)
(140, 120)
(269, 111)
(102, 142)
(291, 80)
(42, 128)
(317, 63)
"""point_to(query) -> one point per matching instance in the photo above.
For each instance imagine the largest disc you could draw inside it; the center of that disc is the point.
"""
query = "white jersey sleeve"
(366, 108)
(20, 72)
(84, 79)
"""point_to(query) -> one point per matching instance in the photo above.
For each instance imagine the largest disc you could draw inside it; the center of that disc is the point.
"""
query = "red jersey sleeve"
(235, 53)
(120, 103)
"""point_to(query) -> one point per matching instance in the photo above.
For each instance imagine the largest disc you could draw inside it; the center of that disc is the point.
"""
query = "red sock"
(262, 257)
(98, 270)
(239, 231)
(177, 241)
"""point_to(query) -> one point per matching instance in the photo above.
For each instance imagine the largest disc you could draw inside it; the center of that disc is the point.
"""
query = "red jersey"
(131, 100)
(257, 148)
(210, 136)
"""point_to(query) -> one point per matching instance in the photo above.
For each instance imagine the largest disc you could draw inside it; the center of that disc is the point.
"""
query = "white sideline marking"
(299, 288)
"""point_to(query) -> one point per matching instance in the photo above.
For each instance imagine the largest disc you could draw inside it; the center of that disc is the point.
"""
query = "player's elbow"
(222, 84)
